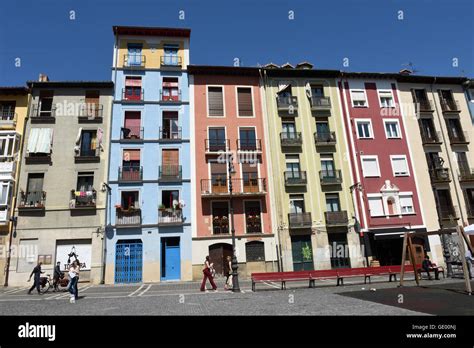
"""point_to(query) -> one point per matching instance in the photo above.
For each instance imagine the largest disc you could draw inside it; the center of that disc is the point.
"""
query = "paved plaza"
(354, 298)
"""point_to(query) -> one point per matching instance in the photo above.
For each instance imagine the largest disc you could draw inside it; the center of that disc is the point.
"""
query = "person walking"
(228, 273)
(469, 261)
(56, 276)
(208, 265)
(36, 283)
(73, 277)
(78, 268)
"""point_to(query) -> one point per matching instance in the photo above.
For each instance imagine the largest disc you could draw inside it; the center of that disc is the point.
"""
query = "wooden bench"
(282, 277)
(420, 270)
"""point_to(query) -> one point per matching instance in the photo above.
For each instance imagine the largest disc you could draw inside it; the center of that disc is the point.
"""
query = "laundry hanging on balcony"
(40, 140)
(307, 89)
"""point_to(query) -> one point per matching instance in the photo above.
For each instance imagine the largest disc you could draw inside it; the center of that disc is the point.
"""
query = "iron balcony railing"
(132, 133)
(220, 225)
(325, 138)
(7, 115)
(440, 175)
(330, 177)
(336, 217)
(83, 199)
(458, 138)
(217, 145)
(170, 98)
(291, 139)
(293, 178)
(91, 110)
(130, 173)
(249, 145)
(449, 212)
(320, 103)
(424, 105)
(128, 217)
(37, 112)
(245, 186)
(133, 97)
(170, 134)
(465, 173)
(300, 220)
(430, 137)
(134, 61)
(32, 199)
(88, 153)
(170, 216)
(288, 104)
(253, 224)
(448, 105)
(170, 172)
(171, 61)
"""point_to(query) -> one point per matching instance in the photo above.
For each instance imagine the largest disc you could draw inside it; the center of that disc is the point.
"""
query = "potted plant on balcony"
(161, 207)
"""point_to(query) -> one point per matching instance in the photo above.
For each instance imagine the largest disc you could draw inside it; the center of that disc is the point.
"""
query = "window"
(399, 166)
(133, 88)
(376, 206)
(219, 177)
(406, 204)
(92, 106)
(171, 55)
(463, 164)
(170, 91)
(247, 139)
(5, 191)
(244, 100)
(392, 129)
(40, 142)
(386, 99)
(46, 103)
(327, 166)
(317, 91)
(215, 101)
(253, 217)
(332, 202)
(132, 122)
(364, 129)
(297, 204)
(130, 199)
(170, 199)
(170, 167)
(87, 144)
(370, 166)
(34, 190)
(7, 110)
(85, 181)
(217, 141)
(358, 98)
(8, 145)
(134, 54)
(220, 217)
(170, 128)
(255, 251)
(293, 166)
(131, 170)
(250, 177)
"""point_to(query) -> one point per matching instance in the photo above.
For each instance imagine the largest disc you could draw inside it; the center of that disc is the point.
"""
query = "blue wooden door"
(170, 259)
(128, 261)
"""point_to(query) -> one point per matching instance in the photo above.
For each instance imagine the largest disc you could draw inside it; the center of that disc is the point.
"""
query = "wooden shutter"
(131, 155)
(216, 101)
(244, 96)
(170, 157)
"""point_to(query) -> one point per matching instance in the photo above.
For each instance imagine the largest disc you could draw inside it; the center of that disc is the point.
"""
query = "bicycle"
(47, 282)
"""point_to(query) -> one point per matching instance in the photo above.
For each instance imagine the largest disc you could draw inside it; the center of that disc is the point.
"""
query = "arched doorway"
(218, 253)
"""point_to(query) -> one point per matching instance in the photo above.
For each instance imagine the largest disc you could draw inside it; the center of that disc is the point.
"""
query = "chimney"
(43, 78)
(405, 72)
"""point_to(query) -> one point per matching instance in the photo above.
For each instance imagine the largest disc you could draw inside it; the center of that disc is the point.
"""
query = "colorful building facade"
(13, 114)
(149, 225)
(230, 152)
(310, 177)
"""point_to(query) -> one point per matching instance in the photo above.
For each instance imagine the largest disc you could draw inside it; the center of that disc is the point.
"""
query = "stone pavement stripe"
(144, 291)
(12, 291)
(272, 285)
(137, 290)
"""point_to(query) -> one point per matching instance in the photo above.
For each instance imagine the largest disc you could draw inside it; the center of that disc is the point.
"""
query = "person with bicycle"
(37, 280)
(57, 275)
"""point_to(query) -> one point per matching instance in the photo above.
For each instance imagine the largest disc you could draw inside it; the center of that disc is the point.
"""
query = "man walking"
(37, 273)
(57, 275)
(469, 260)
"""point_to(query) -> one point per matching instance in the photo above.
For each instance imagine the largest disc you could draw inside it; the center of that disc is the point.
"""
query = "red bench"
(282, 277)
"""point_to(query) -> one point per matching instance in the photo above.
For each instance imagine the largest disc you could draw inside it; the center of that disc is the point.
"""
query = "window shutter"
(170, 157)
(131, 155)
(369, 167)
(400, 166)
(216, 102)
(218, 168)
(244, 96)
(358, 96)
(376, 206)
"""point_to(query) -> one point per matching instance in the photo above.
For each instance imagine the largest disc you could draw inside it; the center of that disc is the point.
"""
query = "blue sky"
(368, 32)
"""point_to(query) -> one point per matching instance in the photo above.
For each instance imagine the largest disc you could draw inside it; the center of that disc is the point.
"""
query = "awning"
(393, 232)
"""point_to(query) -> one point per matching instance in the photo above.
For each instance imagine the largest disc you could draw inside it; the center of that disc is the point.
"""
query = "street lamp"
(235, 276)
(14, 221)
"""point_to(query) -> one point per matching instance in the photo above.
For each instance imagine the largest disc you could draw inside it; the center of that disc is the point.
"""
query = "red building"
(387, 201)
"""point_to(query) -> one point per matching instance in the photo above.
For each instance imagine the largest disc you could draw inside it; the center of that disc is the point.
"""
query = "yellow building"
(13, 113)
(311, 178)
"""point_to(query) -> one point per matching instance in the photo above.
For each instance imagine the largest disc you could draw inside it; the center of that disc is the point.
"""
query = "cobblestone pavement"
(184, 298)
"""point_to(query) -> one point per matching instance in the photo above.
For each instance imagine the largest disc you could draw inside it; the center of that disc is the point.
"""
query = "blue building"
(149, 215)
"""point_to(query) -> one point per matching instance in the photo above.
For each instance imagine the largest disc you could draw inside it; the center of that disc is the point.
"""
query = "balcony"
(7, 117)
(91, 113)
(87, 156)
(299, 220)
(424, 105)
(431, 138)
(7, 170)
(254, 145)
(83, 199)
(170, 173)
(291, 139)
(131, 217)
(32, 201)
(40, 115)
(219, 187)
(466, 174)
(287, 106)
(37, 158)
(130, 174)
(295, 178)
(253, 224)
(220, 225)
(460, 138)
(320, 103)
(137, 96)
(132, 135)
(448, 106)
(134, 61)
(168, 134)
(170, 99)
(170, 217)
(330, 177)
(216, 146)
(325, 138)
(449, 213)
(336, 218)
(440, 175)
(171, 62)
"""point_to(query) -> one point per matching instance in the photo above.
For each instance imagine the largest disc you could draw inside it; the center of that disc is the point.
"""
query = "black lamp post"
(14, 221)
(235, 276)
